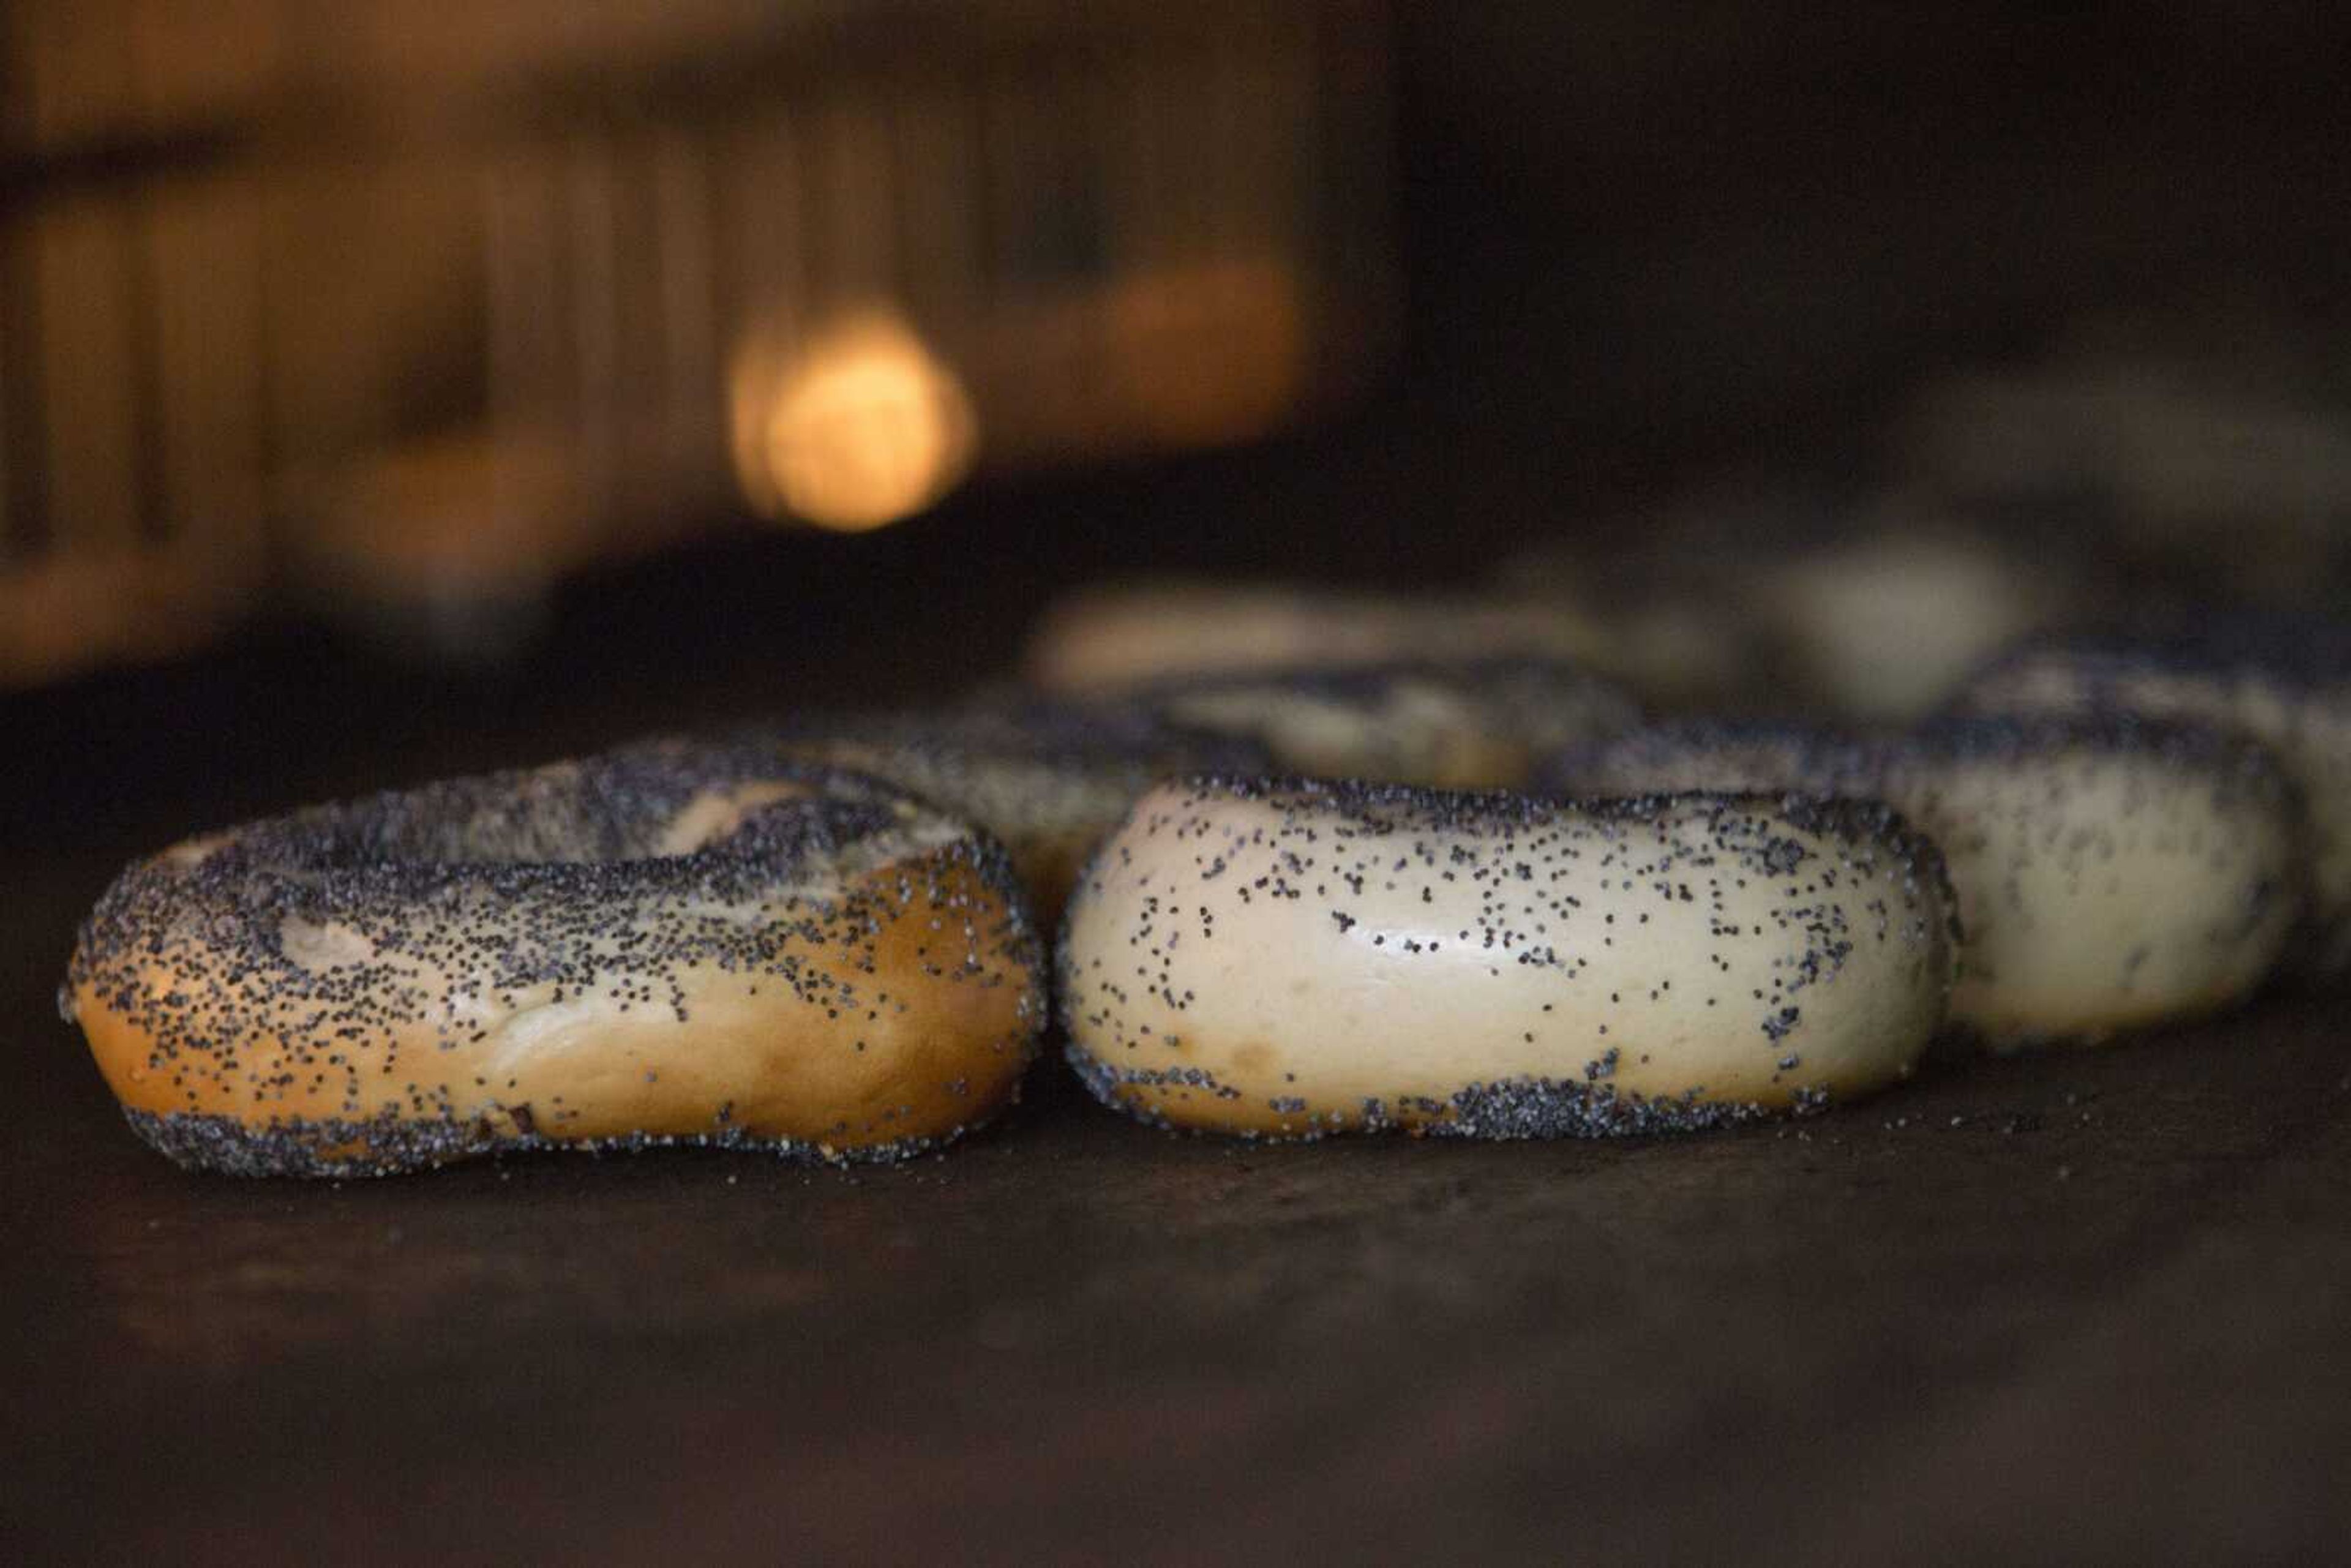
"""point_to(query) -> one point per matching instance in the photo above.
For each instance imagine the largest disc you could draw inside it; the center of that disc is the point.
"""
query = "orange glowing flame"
(851, 428)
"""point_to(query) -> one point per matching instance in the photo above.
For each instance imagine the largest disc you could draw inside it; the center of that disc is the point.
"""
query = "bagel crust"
(1481, 723)
(1047, 779)
(1291, 959)
(2111, 875)
(1116, 635)
(702, 946)
(2284, 681)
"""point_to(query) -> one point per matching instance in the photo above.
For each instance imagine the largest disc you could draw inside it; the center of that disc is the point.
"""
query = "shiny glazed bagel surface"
(2110, 875)
(1284, 958)
(2285, 683)
(694, 944)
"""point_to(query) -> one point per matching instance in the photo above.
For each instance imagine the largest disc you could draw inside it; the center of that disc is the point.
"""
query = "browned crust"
(859, 1018)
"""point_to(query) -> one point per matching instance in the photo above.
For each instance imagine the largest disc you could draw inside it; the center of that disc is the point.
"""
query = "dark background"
(1642, 256)
(2082, 1306)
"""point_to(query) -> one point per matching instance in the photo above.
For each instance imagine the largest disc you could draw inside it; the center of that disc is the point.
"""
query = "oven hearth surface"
(2082, 1305)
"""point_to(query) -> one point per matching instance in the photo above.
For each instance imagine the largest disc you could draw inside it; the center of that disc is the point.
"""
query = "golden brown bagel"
(671, 943)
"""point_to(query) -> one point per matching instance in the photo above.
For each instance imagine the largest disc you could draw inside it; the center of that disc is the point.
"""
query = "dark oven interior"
(391, 391)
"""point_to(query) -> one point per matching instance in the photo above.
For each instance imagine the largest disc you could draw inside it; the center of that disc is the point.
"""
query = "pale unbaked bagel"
(1878, 627)
(2111, 875)
(675, 943)
(1112, 636)
(1288, 959)
(2286, 682)
(1046, 779)
(1478, 724)
(1866, 613)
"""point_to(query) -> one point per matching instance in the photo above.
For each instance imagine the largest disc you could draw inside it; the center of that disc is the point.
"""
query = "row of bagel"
(1422, 872)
